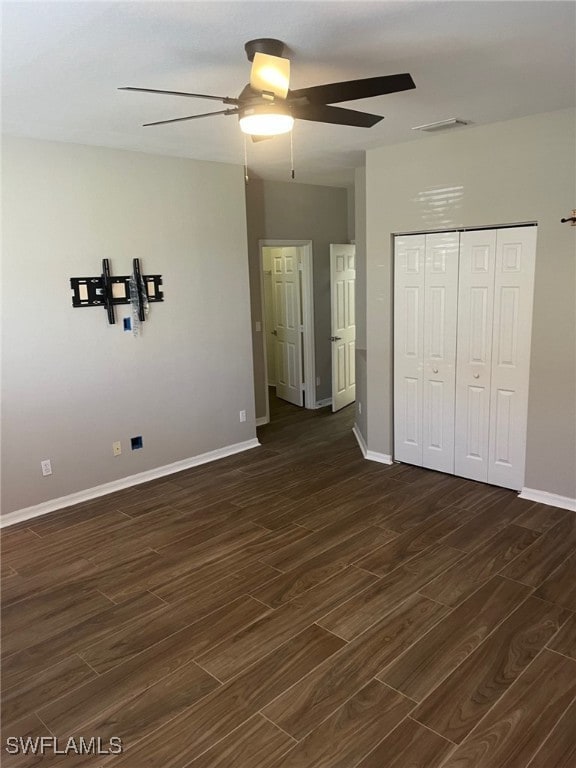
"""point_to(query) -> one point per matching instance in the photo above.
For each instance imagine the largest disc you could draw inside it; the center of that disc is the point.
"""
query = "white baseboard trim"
(45, 507)
(552, 499)
(360, 440)
(381, 458)
(261, 420)
(324, 403)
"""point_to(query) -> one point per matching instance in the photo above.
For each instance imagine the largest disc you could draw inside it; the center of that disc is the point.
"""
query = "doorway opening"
(292, 335)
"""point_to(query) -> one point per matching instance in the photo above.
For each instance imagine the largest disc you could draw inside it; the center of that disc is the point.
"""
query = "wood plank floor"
(295, 607)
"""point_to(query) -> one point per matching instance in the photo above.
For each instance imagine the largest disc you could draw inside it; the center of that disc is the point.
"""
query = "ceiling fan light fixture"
(270, 73)
(265, 120)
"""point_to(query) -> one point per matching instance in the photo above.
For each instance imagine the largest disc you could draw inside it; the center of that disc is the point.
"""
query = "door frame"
(309, 353)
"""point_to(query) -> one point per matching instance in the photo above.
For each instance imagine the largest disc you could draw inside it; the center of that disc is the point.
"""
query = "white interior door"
(511, 341)
(474, 354)
(287, 325)
(342, 294)
(408, 346)
(439, 374)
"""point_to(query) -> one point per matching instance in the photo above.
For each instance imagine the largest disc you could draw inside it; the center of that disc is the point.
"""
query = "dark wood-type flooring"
(296, 606)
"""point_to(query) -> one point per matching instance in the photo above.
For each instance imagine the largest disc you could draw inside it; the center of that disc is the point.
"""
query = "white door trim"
(307, 317)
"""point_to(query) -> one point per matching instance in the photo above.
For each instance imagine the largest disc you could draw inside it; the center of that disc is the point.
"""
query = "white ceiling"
(481, 61)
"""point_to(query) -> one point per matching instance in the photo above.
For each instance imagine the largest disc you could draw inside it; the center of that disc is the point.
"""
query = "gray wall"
(278, 210)
(350, 201)
(361, 352)
(72, 384)
(361, 418)
(515, 171)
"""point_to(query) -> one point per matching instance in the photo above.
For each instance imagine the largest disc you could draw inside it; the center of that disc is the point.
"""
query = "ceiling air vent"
(441, 125)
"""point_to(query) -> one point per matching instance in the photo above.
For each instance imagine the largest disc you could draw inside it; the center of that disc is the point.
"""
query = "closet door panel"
(511, 340)
(408, 346)
(474, 353)
(439, 370)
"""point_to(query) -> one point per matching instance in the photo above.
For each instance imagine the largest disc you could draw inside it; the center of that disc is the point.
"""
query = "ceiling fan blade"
(224, 99)
(321, 113)
(193, 117)
(270, 73)
(332, 93)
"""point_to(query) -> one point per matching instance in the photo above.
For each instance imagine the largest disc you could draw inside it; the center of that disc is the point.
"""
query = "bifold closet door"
(511, 342)
(409, 267)
(425, 313)
(494, 336)
(439, 370)
(474, 352)
(462, 336)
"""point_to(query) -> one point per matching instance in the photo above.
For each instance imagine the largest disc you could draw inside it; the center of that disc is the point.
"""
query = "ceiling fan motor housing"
(266, 108)
(267, 45)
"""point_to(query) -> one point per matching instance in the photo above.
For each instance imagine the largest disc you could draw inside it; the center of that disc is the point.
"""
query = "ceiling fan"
(267, 107)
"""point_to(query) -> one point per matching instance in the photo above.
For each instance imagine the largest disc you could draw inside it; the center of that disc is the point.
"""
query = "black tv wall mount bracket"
(107, 290)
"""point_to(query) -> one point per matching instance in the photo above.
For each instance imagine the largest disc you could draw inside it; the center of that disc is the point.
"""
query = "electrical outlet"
(117, 448)
(317, 381)
(46, 467)
(242, 415)
(359, 407)
(258, 326)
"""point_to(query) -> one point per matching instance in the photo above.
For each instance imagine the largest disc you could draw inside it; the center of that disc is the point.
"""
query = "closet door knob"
(435, 370)
(476, 375)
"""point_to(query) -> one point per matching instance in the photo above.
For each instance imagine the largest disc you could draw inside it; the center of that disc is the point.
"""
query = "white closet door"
(439, 376)
(513, 292)
(408, 346)
(474, 353)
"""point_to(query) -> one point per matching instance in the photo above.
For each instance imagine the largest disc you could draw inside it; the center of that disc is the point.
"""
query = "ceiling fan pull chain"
(245, 159)
(292, 153)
